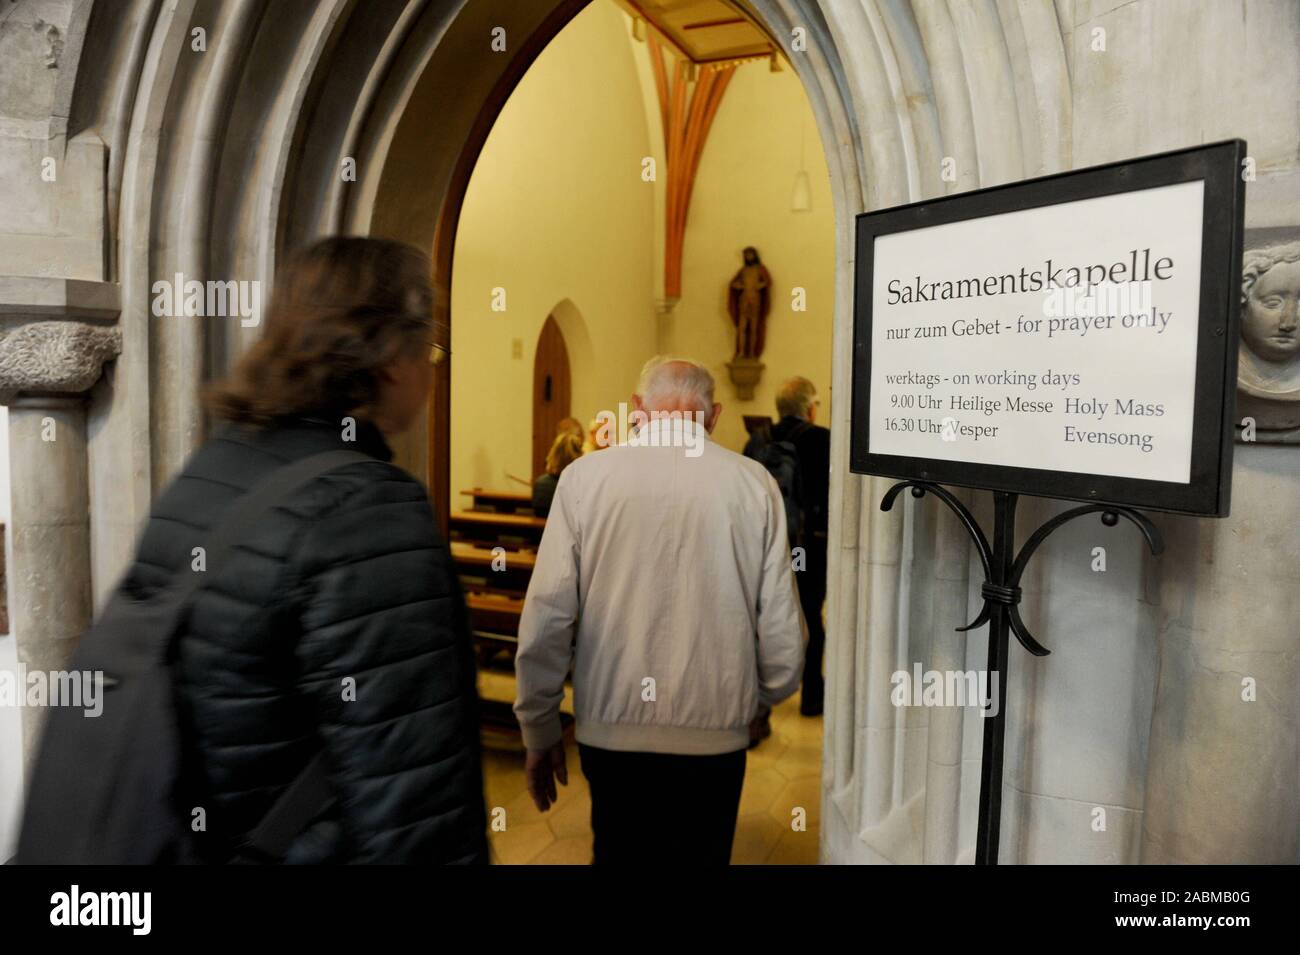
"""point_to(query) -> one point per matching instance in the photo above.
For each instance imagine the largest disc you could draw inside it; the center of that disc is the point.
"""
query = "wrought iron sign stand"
(1003, 568)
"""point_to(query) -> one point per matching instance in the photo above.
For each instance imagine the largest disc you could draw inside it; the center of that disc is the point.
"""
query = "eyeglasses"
(438, 353)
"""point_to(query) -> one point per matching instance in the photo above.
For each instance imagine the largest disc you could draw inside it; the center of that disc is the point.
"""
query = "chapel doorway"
(551, 387)
(616, 136)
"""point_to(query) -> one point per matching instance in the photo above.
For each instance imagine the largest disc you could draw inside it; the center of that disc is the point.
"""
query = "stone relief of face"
(1270, 321)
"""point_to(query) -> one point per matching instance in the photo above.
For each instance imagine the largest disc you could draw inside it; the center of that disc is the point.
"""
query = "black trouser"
(812, 594)
(657, 808)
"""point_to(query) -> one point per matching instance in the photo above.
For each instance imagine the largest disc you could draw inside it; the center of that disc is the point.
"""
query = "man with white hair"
(664, 579)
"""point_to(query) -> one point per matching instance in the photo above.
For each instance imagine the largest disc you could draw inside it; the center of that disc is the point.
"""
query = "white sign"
(1060, 338)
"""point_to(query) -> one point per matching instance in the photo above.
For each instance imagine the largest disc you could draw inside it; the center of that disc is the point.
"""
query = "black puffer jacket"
(350, 579)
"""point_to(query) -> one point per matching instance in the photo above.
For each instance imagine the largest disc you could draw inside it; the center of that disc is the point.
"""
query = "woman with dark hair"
(337, 631)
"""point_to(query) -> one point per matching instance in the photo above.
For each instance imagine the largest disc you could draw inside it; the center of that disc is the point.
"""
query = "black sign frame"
(1208, 491)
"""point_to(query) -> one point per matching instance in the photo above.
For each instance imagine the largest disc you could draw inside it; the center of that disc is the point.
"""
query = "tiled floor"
(782, 774)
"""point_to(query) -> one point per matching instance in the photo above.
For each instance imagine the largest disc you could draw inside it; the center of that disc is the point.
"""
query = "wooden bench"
(504, 502)
(471, 556)
(495, 597)
(495, 615)
(487, 529)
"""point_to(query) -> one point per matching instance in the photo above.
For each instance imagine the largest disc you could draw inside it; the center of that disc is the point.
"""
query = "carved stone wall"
(1141, 711)
(60, 357)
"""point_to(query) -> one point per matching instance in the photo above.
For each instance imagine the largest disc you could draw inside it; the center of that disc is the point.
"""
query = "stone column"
(45, 369)
(1224, 773)
(51, 535)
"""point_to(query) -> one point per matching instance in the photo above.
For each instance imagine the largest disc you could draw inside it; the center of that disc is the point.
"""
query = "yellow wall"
(742, 197)
(556, 209)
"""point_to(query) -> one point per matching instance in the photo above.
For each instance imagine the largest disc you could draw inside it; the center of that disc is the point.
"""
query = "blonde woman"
(566, 449)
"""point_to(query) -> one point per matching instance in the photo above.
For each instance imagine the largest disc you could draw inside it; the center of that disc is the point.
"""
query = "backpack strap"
(310, 790)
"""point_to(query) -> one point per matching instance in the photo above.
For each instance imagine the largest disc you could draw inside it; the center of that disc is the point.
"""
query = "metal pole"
(1001, 592)
(990, 812)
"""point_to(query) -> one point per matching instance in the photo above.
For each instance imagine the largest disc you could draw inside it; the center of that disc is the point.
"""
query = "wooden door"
(550, 391)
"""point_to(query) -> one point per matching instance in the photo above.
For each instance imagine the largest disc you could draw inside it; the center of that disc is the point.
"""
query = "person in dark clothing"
(565, 449)
(340, 627)
(797, 404)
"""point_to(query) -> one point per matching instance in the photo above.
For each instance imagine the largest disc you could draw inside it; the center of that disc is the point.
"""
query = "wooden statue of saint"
(749, 299)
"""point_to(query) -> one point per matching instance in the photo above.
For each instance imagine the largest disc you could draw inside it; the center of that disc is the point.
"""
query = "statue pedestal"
(745, 374)
(1276, 421)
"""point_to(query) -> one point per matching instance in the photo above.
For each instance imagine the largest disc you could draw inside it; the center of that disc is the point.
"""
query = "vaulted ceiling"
(703, 31)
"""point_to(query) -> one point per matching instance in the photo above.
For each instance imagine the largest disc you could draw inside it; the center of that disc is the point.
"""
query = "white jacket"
(664, 579)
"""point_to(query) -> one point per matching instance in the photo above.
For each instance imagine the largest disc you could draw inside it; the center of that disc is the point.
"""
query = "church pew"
(472, 556)
(482, 571)
(495, 601)
(494, 617)
(488, 530)
(504, 502)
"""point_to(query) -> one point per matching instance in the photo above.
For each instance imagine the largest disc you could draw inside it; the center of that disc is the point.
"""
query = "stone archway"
(222, 158)
(216, 136)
